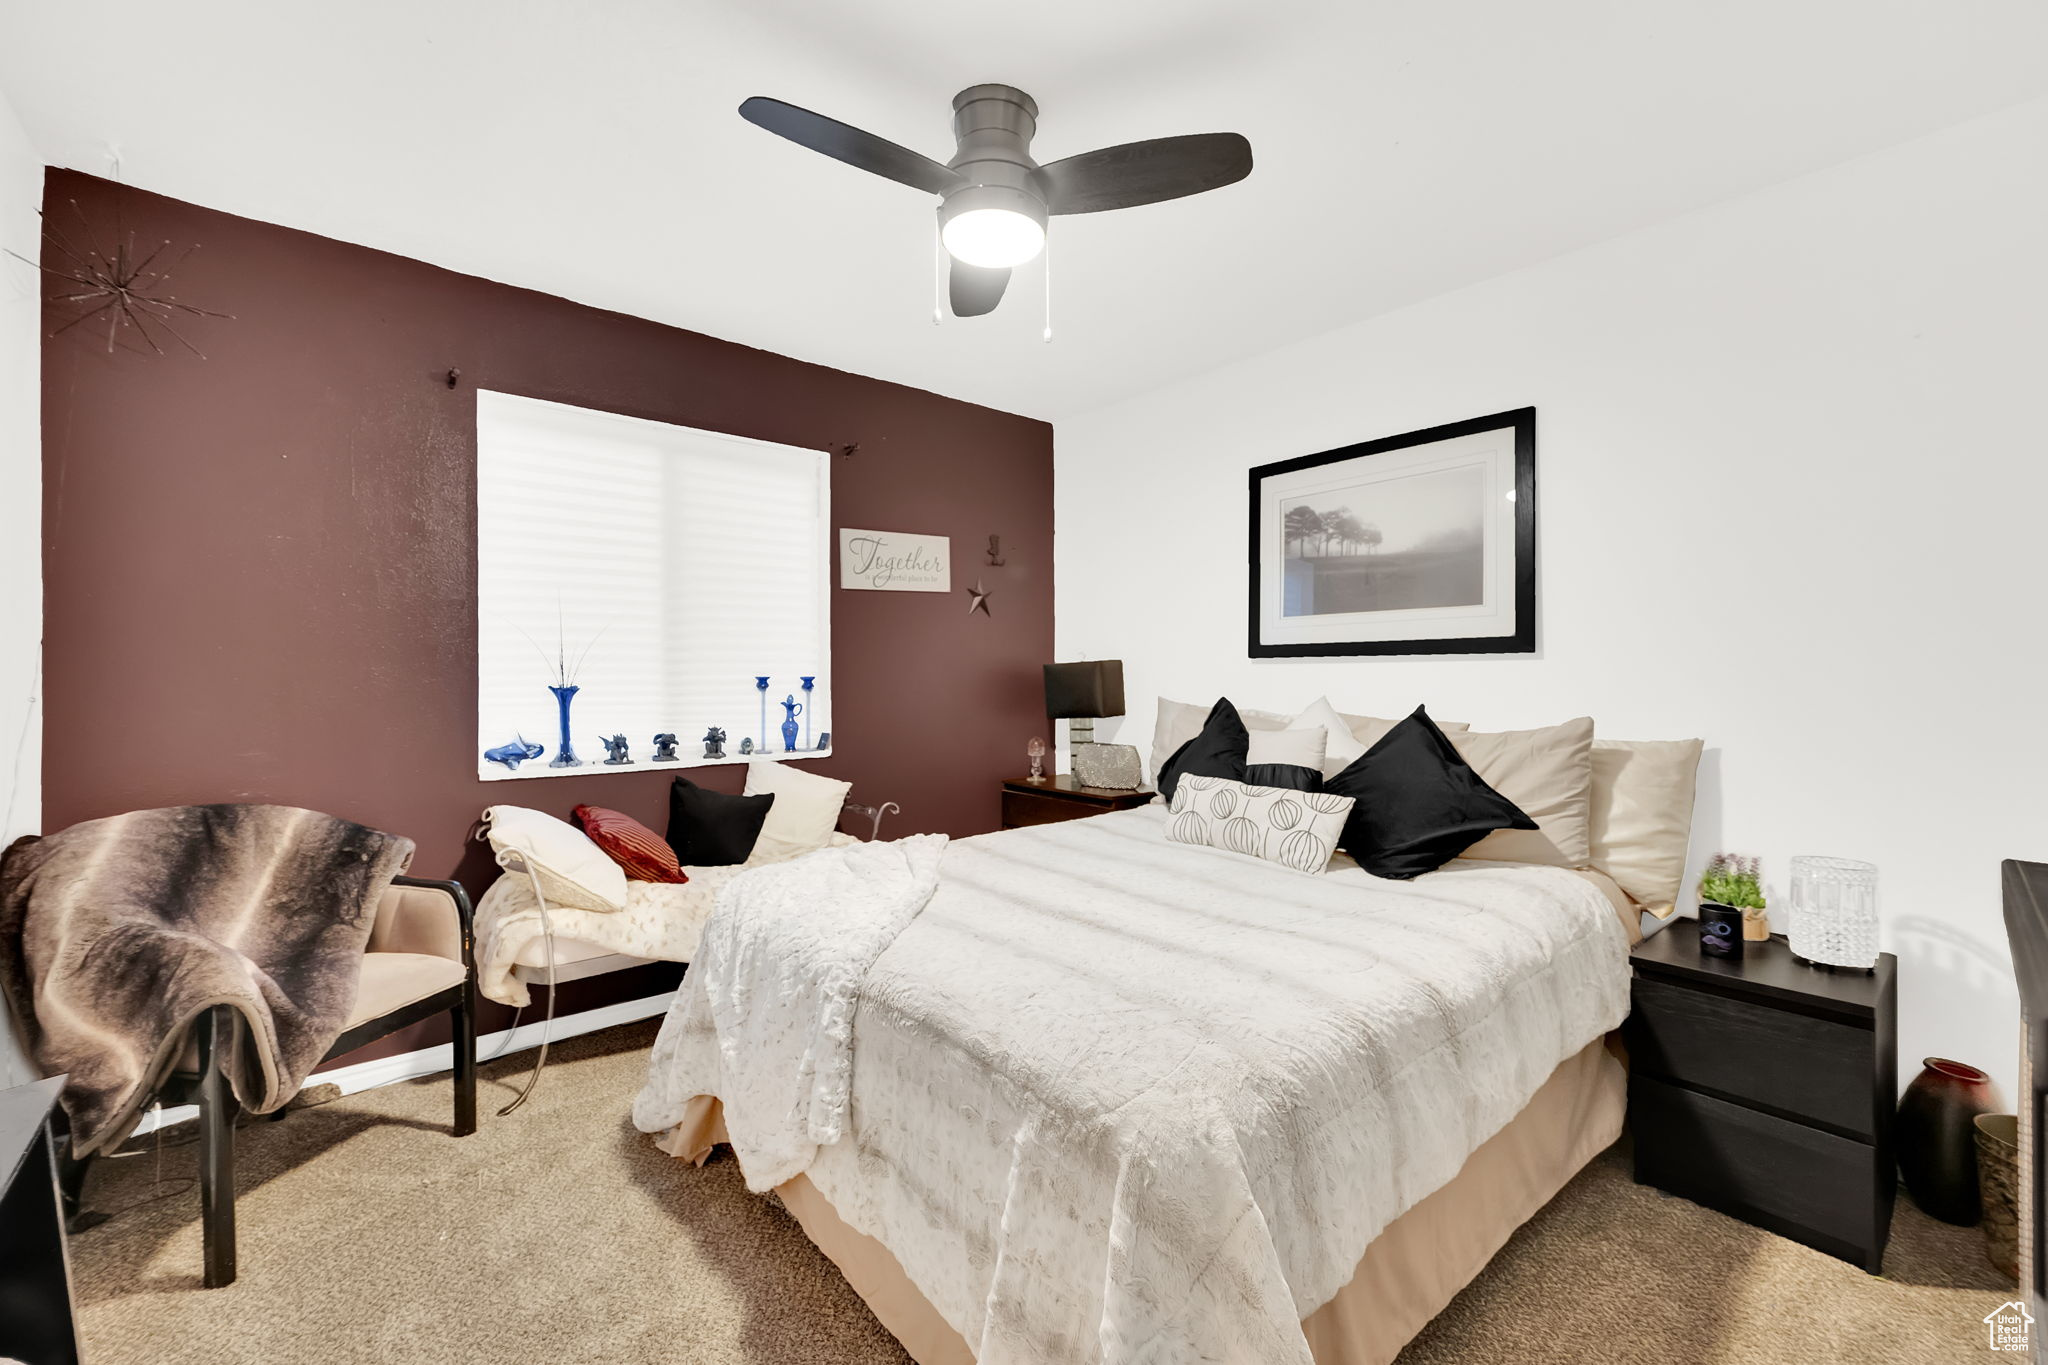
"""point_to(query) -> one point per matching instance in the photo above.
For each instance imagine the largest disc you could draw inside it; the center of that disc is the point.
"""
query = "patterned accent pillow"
(644, 855)
(1296, 829)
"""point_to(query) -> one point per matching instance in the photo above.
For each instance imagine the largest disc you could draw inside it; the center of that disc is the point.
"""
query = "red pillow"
(644, 854)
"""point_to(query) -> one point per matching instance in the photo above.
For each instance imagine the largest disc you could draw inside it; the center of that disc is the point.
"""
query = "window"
(655, 569)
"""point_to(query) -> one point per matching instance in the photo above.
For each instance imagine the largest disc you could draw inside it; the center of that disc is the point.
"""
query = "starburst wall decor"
(127, 289)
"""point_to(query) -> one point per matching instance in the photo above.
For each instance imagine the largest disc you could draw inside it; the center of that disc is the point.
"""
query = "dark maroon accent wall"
(259, 567)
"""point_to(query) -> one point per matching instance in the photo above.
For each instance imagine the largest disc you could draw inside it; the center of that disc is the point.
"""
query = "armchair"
(420, 960)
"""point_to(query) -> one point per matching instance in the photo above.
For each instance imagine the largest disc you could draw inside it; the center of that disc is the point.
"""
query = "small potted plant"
(1736, 882)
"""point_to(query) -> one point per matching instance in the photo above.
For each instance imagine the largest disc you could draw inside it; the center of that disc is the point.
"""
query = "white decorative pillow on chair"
(805, 813)
(572, 870)
(1298, 830)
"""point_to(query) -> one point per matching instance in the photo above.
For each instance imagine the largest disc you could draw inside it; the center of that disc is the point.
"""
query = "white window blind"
(661, 569)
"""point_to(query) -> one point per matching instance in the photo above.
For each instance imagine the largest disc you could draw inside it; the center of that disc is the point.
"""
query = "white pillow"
(1294, 829)
(1340, 747)
(1302, 748)
(1177, 722)
(805, 812)
(572, 870)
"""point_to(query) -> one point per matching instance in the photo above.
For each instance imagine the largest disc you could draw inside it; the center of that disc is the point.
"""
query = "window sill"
(538, 767)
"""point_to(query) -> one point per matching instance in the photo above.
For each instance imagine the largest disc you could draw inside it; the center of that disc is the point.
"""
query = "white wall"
(21, 465)
(1792, 493)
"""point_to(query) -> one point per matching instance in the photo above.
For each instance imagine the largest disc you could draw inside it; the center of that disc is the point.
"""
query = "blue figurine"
(665, 749)
(792, 708)
(617, 747)
(513, 754)
(714, 743)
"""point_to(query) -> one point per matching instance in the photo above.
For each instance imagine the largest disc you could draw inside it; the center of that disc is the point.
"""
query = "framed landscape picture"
(1423, 543)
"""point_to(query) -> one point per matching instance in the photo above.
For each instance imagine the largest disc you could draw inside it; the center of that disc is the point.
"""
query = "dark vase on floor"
(1936, 1137)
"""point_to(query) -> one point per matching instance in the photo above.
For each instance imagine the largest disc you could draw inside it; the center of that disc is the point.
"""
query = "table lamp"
(1079, 694)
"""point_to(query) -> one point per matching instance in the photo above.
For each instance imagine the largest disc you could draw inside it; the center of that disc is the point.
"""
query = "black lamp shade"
(1091, 689)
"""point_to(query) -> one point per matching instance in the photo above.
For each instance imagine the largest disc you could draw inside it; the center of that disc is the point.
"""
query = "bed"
(1125, 1100)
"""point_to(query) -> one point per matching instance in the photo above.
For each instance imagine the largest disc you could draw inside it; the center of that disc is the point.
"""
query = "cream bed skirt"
(1407, 1276)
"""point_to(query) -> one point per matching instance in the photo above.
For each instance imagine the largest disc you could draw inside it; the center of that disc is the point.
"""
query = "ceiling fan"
(994, 199)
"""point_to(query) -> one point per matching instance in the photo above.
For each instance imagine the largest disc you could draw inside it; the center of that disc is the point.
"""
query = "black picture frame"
(1521, 640)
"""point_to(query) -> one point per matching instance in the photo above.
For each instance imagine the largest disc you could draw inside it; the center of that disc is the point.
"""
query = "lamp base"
(1110, 766)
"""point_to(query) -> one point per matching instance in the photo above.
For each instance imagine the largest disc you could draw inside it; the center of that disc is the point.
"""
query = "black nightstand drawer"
(1799, 1182)
(1034, 808)
(1795, 1063)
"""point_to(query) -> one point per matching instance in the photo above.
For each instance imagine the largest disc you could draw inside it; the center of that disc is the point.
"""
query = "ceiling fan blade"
(844, 142)
(974, 290)
(1145, 172)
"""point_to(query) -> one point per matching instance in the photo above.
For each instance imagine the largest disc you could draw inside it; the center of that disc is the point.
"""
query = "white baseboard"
(428, 1061)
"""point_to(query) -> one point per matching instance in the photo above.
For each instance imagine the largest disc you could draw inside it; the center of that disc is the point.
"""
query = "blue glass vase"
(565, 755)
(792, 708)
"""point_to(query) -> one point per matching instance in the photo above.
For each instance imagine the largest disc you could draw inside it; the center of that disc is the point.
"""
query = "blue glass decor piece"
(747, 745)
(617, 750)
(809, 683)
(515, 753)
(714, 743)
(761, 684)
(565, 754)
(824, 739)
(791, 709)
(665, 749)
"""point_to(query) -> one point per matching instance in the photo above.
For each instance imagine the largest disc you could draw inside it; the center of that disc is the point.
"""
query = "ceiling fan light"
(994, 239)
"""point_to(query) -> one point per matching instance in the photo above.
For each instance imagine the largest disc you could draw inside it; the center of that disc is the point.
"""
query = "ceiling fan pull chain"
(1048, 289)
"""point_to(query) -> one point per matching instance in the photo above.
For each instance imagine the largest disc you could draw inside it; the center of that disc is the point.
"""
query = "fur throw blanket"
(117, 934)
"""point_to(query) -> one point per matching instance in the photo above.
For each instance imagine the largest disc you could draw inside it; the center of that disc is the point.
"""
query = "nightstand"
(1061, 798)
(1765, 1089)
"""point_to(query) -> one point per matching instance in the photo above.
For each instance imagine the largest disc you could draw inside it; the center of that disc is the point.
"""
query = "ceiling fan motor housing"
(994, 125)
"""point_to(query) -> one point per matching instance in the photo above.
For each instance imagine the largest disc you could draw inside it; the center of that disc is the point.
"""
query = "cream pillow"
(572, 870)
(1549, 774)
(1641, 818)
(1177, 722)
(805, 812)
(1302, 748)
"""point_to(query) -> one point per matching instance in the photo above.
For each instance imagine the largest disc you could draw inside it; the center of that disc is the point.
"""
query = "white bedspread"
(785, 1041)
(1121, 1100)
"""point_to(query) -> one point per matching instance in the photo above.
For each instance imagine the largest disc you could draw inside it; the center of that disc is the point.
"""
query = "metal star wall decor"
(977, 599)
(126, 288)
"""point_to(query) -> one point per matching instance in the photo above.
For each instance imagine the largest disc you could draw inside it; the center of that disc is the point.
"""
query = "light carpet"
(560, 1235)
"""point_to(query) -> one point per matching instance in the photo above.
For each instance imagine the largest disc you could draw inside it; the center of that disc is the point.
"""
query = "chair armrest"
(421, 916)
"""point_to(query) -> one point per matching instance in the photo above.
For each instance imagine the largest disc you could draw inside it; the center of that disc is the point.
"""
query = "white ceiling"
(590, 148)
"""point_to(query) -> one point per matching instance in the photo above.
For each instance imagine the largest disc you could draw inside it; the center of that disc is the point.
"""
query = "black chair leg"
(465, 1061)
(217, 1110)
(71, 1173)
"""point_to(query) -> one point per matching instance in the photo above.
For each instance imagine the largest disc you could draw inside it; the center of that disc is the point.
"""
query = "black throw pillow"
(1292, 776)
(1218, 751)
(713, 829)
(1418, 804)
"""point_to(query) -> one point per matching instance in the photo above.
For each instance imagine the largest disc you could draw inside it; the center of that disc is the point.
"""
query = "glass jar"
(1834, 911)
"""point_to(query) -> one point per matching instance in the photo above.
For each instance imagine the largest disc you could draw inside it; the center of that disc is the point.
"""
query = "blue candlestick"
(762, 685)
(809, 683)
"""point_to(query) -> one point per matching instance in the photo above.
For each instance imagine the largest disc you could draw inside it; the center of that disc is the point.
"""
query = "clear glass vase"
(1834, 911)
